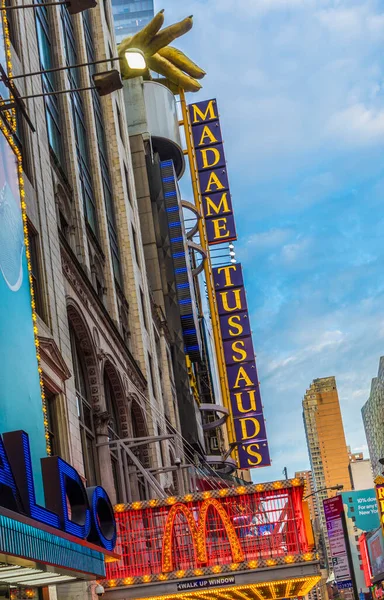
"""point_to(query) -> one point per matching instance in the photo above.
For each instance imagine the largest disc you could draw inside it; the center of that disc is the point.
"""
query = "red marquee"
(210, 532)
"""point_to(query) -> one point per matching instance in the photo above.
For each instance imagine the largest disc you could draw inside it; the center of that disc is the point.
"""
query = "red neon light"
(365, 560)
(205, 532)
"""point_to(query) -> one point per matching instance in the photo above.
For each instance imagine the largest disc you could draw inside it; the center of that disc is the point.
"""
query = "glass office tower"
(130, 16)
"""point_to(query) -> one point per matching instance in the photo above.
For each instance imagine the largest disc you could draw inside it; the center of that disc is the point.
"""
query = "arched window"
(114, 428)
(139, 430)
(84, 410)
(111, 405)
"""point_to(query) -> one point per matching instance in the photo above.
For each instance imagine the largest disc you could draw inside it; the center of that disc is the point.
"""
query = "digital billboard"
(375, 545)
(20, 393)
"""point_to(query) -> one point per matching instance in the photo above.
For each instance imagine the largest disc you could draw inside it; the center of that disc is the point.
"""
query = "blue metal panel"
(183, 272)
(21, 539)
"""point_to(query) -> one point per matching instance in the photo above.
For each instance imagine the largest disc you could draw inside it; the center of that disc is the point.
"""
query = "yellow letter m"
(198, 533)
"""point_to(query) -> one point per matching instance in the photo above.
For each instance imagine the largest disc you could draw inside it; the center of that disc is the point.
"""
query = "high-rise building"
(327, 447)
(373, 418)
(130, 16)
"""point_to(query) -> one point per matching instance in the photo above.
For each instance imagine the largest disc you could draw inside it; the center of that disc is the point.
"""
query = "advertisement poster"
(376, 553)
(334, 513)
(20, 393)
(360, 508)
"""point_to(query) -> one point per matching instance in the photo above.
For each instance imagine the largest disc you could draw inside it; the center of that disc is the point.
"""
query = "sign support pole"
(207, 269)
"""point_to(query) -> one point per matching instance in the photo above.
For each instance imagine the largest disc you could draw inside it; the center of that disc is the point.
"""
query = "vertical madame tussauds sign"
(246, 407)
(212, 172)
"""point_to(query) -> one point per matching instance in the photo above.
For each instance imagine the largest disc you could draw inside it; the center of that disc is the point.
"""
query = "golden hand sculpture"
(161, 58)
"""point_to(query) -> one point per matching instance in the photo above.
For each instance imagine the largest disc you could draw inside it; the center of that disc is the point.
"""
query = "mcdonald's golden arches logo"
(198, 533)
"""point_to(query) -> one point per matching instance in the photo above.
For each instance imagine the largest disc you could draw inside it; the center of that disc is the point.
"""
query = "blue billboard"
(361, 512)
(20, 393)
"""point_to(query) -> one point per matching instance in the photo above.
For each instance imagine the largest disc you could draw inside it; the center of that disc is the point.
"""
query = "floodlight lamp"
(233, 260)
(231, 246)
(135, 59)
(232, 253)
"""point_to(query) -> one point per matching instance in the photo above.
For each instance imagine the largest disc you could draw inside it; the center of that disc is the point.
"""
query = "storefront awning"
(34, 554)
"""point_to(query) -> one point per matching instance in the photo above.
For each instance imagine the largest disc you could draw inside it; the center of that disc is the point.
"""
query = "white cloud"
(268, 239)
(357, 125)
(288, 77)
(299, 84)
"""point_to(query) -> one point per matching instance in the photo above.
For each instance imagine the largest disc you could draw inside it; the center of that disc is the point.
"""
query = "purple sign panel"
(211, 157)
(238, 350)
(246, 402)
(207, 135)
(254, 454)
(212, 173)
(246, 407)
(221, 229)
(234, 325)
(231, 300)
(217, 203)
(228, 277)
(251, 427)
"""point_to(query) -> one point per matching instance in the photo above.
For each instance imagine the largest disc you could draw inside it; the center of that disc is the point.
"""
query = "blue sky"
(299, 85)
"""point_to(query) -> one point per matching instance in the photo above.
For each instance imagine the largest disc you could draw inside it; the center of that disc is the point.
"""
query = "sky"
(299, 86)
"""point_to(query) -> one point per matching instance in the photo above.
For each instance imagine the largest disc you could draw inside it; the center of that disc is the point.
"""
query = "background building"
(360, 471)
(373, 418)
(326, 443)
(130, 16)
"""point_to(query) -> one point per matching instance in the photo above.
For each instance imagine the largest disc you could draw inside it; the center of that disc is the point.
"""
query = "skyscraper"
(373, 413)
(130, 16)
(327, 448)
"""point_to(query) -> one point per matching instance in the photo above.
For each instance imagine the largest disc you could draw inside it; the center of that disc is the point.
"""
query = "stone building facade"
(103, 340)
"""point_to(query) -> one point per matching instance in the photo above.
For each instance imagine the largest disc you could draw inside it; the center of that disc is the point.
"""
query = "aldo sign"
(246, 407)
(212, 170)
(84, 513)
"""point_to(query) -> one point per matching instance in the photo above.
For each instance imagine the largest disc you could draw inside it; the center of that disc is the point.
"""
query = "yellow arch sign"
(198, 533)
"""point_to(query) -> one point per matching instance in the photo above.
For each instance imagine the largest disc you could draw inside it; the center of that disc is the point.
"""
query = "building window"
(119, 122)
(161, 446)
(12, 28)
(126, 177)
(51, 401)
(52, 109)
(111, 405)
(152, 380)
(37, 281)
(124, 318)
(113, 429)
(84, 410)
(103, 155)
(143, 309)
(78, 114)
(135, 246)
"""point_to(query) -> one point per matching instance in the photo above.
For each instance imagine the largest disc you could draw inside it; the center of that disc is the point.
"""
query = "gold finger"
(179, 59)
(167, 35)
(174, 74)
